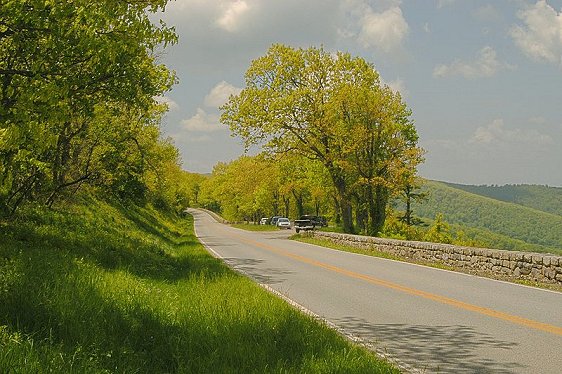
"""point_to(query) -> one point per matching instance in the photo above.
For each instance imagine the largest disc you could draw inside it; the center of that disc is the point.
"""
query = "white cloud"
(487, 13)
(385, 30)
(541, 36)
(496, 133)
(203, 122)
(444, 3)
(220, 93)
(485, 65)
(232, 13)
(426, 28)
(539, 120)
(172, 105)
(199, 139)
(397, 85)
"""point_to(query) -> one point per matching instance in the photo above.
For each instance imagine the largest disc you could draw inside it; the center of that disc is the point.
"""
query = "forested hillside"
(545, 198)
(496, 223)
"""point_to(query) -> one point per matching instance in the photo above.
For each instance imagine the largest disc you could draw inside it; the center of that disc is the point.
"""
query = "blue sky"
(483, 78)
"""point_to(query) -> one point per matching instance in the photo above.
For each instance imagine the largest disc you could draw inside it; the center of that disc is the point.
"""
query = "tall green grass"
(113, 288)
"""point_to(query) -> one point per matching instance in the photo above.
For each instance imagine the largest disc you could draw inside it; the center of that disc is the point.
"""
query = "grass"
(113, 288)
(305, 238)
(254, 227)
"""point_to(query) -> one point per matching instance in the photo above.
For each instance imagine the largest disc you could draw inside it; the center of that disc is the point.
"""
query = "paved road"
(427, 319)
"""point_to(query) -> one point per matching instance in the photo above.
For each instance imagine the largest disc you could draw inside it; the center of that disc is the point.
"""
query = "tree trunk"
(377, 209)
(286, 202)
(299, 203)
(275, 203)
(337, 210)
(361, 216)
(345, 204)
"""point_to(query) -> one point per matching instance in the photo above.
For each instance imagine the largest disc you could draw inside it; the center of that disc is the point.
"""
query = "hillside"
(545, 198)
(106, 287)
(496, 223)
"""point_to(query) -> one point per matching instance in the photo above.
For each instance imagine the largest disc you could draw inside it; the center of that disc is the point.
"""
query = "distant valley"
(514, 217)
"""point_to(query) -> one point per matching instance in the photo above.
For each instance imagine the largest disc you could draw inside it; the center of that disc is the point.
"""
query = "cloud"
(496, 133)
(220, 93)
(384, 30)
(485, 65)
(487, 13)
(540, 37)
(202, 122)
(444, 3)
(397, 85)
(172, 105)
(233, 11)
(198, 139)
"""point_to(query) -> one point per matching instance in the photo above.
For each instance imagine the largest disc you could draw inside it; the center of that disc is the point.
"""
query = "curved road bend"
(426, 319)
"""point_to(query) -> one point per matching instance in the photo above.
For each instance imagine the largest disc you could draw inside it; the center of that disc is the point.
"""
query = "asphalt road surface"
(424, 319)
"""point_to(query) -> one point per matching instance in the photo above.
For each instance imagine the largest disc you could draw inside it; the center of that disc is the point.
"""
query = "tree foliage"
(332, 109)
(77, 86)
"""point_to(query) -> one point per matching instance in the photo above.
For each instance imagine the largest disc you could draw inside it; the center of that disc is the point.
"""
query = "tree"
(381, 147)
(61, 64)
(439, 232)
(330, 108)
(241, 189)
(410, 193)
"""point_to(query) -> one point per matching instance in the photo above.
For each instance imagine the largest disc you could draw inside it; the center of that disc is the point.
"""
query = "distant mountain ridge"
(492, 216)
(545, 198)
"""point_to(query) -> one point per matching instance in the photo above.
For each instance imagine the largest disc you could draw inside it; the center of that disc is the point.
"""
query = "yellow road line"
(556, 330)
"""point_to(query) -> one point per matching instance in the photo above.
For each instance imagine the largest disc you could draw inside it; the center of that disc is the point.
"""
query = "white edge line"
(357, 340)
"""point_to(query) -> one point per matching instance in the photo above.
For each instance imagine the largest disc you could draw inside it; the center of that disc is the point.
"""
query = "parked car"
(264, 221)
(283, 223)
(309, 222)
(317, 221)
(303, 224)
(274, 220)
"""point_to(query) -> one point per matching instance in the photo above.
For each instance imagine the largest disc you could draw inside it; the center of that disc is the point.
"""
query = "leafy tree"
(240, 190)
(439, 232)
(411, 192)
(61, 64)
(332, 109)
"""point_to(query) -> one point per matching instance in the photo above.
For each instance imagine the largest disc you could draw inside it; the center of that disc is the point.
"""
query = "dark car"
(309, 222)
(317, 221)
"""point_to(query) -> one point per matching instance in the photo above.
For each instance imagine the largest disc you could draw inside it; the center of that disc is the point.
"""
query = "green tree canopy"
(65, 67)
(331, 108)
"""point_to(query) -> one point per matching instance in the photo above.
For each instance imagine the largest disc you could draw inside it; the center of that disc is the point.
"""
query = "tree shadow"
(250, 267)
(59, 304)
(148, 222)
(444, 349)
(161, 254)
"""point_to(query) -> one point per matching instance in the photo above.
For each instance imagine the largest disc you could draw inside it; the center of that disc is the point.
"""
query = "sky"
(483, 78)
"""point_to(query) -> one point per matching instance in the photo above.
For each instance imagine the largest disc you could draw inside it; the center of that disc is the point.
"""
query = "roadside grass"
(113, 288)
(254, 227)
(341, 247)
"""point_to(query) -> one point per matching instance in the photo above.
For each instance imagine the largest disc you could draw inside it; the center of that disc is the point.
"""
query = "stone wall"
(518, 265)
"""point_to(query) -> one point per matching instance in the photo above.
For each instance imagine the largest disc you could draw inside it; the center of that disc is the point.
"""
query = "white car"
(283, 223)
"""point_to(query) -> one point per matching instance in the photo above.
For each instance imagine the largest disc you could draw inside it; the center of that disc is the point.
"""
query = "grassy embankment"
(109, 288)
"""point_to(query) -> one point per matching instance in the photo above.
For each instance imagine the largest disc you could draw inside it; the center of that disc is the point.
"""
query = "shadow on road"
(261, 275)
(443, 349)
